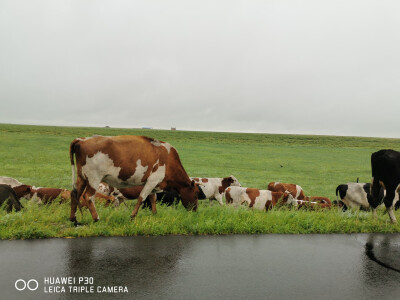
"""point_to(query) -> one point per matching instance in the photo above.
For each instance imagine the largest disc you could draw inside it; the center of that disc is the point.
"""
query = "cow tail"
(337, 190)
(74, 147)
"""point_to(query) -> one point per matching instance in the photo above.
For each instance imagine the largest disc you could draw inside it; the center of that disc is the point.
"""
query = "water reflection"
(221, 267)
(386, 252)
(137, 262)
(381, 263)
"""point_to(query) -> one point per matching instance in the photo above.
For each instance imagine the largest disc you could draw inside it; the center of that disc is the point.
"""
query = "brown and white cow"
(214, 188)
(127, 161)
(259, 199)
(314, 201)
(294, 189)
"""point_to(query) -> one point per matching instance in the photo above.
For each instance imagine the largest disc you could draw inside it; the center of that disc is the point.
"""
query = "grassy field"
(38, 155)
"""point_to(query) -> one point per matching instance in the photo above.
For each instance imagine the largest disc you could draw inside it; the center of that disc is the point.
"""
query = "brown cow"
(127, 161)
(259, 199)
(294, 189)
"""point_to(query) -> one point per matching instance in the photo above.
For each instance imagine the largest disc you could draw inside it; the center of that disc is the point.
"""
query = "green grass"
(38, 155)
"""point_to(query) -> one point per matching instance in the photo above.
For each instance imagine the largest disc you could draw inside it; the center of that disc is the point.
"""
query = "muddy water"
(204, 267)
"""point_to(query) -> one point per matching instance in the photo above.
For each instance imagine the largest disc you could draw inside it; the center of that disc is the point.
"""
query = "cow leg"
(153, 198)
(75, 196)
(147, 190)
(393, 219)
(219, 199)
(390, 193)
(89, 199)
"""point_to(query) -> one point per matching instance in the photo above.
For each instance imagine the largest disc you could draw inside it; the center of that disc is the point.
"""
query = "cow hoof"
(96, 220)
(75, 222)
(133, 217)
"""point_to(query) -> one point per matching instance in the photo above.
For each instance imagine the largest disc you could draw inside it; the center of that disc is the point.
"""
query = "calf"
(213, 188)
(9, 195)
(259, 199)
(294, 189)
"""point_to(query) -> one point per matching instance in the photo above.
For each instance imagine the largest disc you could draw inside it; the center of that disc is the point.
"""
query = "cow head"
(289, 199)
(17, 205)
(234, 181)
(189, 195)
(23, 191)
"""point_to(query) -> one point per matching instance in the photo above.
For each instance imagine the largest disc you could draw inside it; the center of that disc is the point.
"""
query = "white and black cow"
(385, 166)
(214, 188)
(356, 195)
(127, 161)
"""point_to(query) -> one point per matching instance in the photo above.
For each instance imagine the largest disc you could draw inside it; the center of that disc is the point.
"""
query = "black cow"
(7, 193)
(169, 198)
(385, 166)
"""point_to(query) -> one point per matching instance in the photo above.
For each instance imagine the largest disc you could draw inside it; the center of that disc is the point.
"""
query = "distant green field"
(38, 155)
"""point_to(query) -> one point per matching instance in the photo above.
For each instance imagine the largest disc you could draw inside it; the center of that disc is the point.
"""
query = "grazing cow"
(127, 161)
(259, 199)
(294, 189)
(9, 181)
(213, 188)
(385, 166)
(7, 193)
(356, 195)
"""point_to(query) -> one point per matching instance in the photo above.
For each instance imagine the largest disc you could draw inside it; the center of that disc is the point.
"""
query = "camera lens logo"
(31, 285)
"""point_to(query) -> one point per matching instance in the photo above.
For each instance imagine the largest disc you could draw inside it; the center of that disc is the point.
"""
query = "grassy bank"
(38, 155)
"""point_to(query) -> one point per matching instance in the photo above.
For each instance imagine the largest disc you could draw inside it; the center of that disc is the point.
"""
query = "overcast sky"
(297, 66)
